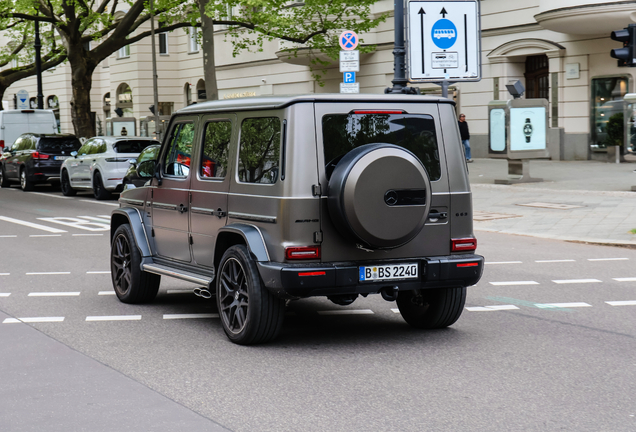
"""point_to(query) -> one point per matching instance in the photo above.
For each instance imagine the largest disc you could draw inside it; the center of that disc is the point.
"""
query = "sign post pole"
(400, 82)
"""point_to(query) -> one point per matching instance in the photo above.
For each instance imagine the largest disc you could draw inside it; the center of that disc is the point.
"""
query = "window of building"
(163, 43)
(14, 63)
(607, 111)
(537, 77)
(124, 52)
(125, 99)
(216, 142)
(33, 103)
(194, 39)
(259, 150)
(188, 94)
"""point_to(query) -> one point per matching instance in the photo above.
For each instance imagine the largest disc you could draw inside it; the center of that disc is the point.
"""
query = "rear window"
(59, 144)
(415, 132)
(132, 146)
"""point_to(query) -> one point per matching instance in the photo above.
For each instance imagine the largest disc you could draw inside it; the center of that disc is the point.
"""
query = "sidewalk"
(584, 201)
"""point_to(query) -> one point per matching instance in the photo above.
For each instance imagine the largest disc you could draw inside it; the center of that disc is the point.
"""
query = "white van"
(14, 123)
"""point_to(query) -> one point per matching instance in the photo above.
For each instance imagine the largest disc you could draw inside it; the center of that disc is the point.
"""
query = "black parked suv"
(36, 158)
(260, 200)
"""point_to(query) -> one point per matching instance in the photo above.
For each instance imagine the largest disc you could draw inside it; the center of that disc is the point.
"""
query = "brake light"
(1, 144)
(378, 112)
(315, 273)
(38, 155)
(463, 244)
(302, 252)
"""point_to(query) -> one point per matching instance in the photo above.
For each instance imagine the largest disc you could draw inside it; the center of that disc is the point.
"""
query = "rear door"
(12, 160)
(210, 185)
(42, 122)
(414, 126)
(79, 166)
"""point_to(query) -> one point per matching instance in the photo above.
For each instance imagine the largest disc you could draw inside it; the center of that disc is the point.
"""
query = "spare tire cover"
(379, 196)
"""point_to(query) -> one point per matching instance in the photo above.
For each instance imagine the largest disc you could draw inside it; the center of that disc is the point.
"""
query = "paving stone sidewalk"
(579, 201)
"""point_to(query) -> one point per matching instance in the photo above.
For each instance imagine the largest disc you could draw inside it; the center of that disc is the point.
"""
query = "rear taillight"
(1, 144)
(302, 252)
(38, 155)
(463, 244)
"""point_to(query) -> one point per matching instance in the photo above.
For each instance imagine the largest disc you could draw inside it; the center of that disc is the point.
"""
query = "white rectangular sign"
(527, 128)
(350, 87)
(347, 56)
(443, 41)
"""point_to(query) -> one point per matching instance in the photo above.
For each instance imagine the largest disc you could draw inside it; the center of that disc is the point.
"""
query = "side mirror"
(133, 162)
(74, 154)
(146, 169)
(158, 173)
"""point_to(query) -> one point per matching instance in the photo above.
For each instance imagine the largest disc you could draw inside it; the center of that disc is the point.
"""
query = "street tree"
(312, 26)
(18, 37)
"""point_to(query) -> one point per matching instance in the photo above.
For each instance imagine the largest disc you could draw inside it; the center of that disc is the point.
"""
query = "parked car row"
(100, 164)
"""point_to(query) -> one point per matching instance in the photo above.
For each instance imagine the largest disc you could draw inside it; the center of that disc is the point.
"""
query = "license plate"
(61, 157)
(389, 272)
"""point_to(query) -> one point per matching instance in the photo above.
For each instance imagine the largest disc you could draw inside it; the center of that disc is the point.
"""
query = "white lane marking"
(47, 273)
(54, 294)
(32, 320)
(77, 223)
(49, 195)
(622, 303)
(491, 308)
(346, 312)
(395, 310)
(628, 279)
(106, 293)
(8, 236)
(100, 202)
(114, 318)
(98, 272)
(608, 259)
(504, 262)
(5, 294)
(86, 235)
(96, 219)
(5, 274)
(46, 235)
(555, 261)
(562, 305)
(515, 283)
(105, 216)
(575, 281)
(181, 291)
(31, 225)
(190, 316)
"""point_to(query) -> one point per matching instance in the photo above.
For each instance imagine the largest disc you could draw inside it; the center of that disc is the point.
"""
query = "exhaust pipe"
(203, 293)
(389, 293)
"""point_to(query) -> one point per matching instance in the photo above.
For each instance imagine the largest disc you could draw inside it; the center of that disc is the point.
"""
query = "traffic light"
(627, 55)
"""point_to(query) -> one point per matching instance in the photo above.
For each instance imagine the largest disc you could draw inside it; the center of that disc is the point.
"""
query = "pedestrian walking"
(465, 136)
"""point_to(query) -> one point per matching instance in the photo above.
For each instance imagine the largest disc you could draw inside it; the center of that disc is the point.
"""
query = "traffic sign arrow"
(443, 12)
(422, 13)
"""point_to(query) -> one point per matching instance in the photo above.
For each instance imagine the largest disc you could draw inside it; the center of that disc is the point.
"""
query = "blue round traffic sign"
(348, 40)
(444, 33)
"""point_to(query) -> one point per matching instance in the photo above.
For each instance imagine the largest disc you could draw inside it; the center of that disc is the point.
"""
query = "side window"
(216, 143)
(85, 148)
(177, 161)
(101, 146)
(17, 145)
(31, 143)
(259, 150)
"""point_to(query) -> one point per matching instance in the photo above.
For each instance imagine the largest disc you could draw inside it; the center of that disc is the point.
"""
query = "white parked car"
(101, 164)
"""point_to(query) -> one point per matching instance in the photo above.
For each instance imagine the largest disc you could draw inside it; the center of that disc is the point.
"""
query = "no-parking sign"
(348, 40)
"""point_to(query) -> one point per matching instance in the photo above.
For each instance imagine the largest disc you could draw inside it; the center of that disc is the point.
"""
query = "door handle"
(437, 215)
(182, 208)
(220, 213)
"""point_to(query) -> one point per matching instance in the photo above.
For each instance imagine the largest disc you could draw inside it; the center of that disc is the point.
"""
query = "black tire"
(67, 189)
(99, 191)
(376, 183)
(131, 284)
(249, 313)
(432, 308)
(4, 181)
(25, 183)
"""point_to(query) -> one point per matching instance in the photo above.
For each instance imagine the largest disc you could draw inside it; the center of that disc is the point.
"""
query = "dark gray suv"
(260, 200)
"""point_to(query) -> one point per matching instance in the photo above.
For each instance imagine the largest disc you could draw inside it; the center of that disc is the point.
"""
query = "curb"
(584, 240)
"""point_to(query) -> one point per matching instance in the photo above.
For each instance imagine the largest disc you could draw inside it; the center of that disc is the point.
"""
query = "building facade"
(559, 50)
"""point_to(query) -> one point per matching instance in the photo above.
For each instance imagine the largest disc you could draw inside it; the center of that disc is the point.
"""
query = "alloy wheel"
(121, 262)
(23, 179)
(233, 295)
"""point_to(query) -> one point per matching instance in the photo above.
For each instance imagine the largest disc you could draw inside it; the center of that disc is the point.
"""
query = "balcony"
(585, 17)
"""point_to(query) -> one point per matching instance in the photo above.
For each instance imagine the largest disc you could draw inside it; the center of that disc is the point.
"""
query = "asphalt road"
(547, 342)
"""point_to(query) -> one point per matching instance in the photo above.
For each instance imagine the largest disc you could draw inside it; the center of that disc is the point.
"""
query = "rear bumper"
(327, 279)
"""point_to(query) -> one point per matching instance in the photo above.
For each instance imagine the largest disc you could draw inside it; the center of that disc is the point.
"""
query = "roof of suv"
(45, 135)
(275, 102)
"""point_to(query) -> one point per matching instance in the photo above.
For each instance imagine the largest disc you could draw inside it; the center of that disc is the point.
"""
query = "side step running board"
(179, 274)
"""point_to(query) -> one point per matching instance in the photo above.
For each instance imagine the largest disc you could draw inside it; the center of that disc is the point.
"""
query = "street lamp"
(38, 62)
(154, 71)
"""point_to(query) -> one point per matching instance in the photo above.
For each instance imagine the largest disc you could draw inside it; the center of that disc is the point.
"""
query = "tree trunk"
(81, 84)
(209, 67)
(2, 90)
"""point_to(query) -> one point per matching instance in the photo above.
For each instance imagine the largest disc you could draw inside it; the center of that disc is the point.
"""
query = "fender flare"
(132, 217)
(253, 239)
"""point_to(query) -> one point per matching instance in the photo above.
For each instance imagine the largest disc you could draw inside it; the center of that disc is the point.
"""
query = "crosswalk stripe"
(622, 303)
(31, 225)
(491, 308)
(627, 279)
(562, 305)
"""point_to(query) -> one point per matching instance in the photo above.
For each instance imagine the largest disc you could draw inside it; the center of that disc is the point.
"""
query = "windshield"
(59, 144)
(132, 146)
(344, 132)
